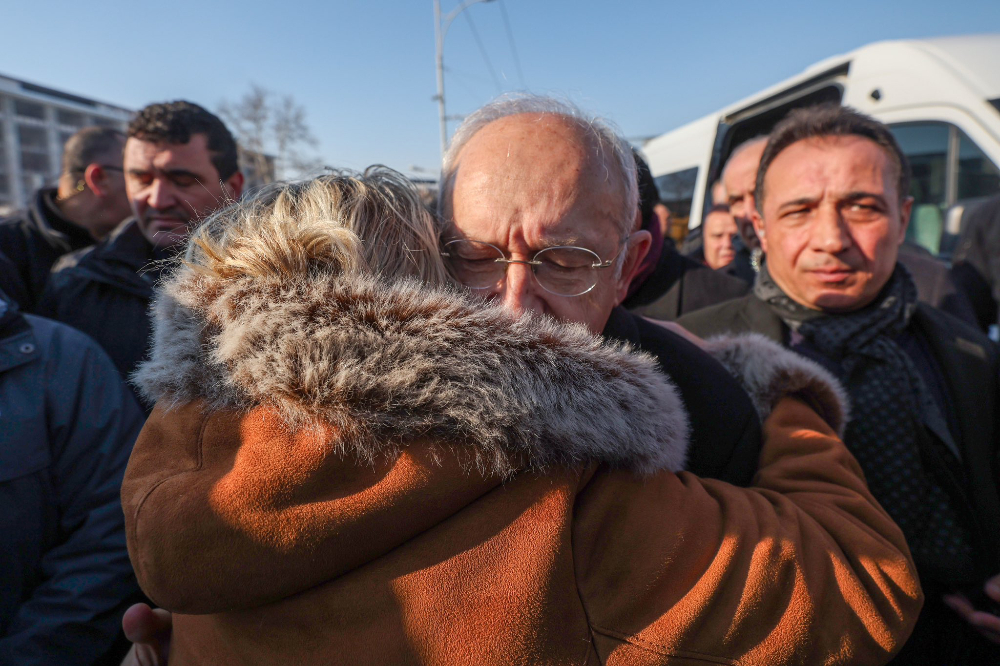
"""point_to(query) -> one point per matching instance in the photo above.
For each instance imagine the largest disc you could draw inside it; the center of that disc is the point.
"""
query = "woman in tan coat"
(352, 462)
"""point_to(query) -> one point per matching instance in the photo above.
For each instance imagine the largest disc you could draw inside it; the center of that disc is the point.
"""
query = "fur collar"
(769, 372)
(388, 365)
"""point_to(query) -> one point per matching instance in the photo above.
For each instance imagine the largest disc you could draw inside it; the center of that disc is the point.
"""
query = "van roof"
(972, 58)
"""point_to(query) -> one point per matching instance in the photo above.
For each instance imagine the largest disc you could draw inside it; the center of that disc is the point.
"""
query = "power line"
(482, 49)
(464, 84)
(510, 38)
(472, 76)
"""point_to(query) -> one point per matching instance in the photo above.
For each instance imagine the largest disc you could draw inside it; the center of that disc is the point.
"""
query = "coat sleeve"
(74, 614)
(804, 567)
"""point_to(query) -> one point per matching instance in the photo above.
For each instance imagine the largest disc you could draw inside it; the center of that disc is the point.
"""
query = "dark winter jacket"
(35, 238)
(725, 429)
(977, 261)
(680, 285)
(935, 284)
(11, 282)
(971, 379)
(106, 294)
(67, 425)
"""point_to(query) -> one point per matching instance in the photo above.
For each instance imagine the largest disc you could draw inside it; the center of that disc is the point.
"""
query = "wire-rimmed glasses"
(562, 270)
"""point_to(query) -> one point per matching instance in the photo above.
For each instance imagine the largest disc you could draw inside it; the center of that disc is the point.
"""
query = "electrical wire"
(510, 39)
(482, 49)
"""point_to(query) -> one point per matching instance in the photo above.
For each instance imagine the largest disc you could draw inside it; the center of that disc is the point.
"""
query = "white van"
(941, 97)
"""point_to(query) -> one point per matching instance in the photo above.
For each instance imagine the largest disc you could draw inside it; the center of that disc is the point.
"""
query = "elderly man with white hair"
(537, 206)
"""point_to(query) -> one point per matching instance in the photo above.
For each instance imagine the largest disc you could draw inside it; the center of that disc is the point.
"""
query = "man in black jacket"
(180, 165)
(831, 212)
(88, 203)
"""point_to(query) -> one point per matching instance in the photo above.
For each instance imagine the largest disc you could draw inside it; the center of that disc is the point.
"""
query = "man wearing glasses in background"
(86, 205)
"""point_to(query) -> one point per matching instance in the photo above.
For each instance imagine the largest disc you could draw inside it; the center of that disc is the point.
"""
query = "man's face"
(171, 186)
(527, 182)
(720, 227)
(740, 180)
(832, 221)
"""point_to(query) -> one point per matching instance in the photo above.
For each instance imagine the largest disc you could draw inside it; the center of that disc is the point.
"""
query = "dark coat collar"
(124, 261)
(57, 230)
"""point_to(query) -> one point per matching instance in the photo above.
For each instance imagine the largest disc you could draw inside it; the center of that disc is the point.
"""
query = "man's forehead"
(195, 150)
(853, 161)
(741, 169)
(544, 144)
(719, 220)
(585, 231)
(534, 156)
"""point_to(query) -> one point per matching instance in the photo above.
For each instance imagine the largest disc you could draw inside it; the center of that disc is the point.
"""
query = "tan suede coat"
(358, 474)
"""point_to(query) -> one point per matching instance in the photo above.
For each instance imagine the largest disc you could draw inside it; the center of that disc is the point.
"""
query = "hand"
(149, 630)
(987, 624)
(677, 329)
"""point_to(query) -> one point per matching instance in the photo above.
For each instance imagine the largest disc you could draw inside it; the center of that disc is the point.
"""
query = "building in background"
(35, 122)
(258, 169)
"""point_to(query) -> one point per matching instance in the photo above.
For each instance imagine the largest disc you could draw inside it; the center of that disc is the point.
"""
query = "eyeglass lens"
(565, 271)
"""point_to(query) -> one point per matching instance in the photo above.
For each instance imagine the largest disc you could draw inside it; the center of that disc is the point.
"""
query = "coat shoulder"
(946, 327)
(726, 317)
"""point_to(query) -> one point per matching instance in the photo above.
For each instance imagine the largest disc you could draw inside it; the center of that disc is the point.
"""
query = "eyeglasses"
(81, 186)
(560, 270)
(106, 167)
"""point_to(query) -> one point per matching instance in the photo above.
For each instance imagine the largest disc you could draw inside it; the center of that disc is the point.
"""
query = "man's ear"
(96, 179)
(234, 185)
(905, 208)
(758, 227)
(637, 248)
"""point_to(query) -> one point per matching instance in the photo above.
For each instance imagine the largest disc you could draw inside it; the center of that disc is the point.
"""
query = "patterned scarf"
(890, 405)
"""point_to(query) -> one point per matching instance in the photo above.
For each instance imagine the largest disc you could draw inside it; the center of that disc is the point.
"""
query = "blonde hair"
(339, 223)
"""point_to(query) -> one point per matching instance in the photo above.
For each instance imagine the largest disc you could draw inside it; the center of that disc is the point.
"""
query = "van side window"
(926, 147)
(948, 169)
(677, 192)
(977, 175)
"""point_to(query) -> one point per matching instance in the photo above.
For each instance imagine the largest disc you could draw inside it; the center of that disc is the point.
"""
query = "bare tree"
(273, 135)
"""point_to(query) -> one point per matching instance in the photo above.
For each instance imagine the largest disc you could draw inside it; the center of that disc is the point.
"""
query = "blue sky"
(364, 70)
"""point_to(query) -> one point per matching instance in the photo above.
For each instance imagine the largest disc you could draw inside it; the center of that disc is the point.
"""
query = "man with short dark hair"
(933, 279)
(86, 205)
(180, 166)
(832, 208)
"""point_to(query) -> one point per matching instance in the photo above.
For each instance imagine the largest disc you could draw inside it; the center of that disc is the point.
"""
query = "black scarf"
(890, 404)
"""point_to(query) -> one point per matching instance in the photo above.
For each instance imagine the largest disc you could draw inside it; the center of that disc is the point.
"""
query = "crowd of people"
(322, 422)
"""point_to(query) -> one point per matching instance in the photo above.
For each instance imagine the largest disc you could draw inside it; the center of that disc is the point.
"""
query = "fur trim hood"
(389, 364)
(768, 372)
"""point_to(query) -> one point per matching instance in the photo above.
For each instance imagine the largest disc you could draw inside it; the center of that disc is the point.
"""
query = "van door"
(950, 172)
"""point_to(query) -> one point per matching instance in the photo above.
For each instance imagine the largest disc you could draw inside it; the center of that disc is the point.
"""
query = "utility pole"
(440, 30)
